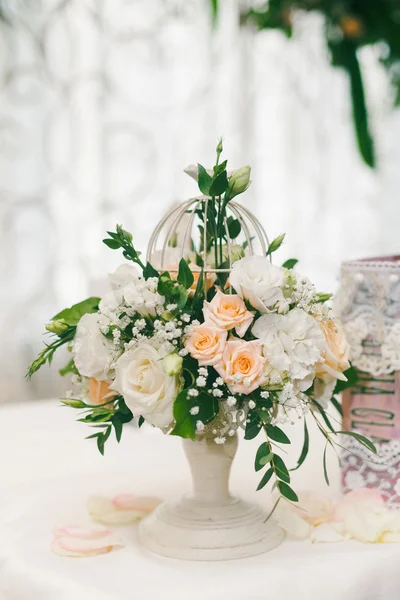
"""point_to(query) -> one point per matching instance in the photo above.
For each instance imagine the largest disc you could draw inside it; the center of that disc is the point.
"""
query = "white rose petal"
(259, 282)
(147, 390)
(122, 275)
(92, 350)
(327, 532)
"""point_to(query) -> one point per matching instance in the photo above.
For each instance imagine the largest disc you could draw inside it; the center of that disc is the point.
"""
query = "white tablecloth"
(48, 470)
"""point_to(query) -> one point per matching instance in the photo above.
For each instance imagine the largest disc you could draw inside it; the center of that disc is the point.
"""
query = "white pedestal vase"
(210, 524)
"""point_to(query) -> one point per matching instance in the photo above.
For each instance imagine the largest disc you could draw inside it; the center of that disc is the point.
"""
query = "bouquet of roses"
(199, 353)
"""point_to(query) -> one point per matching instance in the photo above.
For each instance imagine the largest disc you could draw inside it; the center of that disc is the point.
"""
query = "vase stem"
(210, 465)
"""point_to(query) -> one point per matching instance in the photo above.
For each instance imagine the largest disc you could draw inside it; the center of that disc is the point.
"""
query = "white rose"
(124, 274)
(255, 279)
(92, 350)
(147, 390)
(293, 342)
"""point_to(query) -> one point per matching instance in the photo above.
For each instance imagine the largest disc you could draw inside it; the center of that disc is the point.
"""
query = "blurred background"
(104, 102)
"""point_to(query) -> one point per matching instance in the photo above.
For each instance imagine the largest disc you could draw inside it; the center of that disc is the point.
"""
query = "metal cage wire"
(178, 228)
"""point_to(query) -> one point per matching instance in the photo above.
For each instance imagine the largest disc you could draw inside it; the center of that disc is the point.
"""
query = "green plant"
(349, 25)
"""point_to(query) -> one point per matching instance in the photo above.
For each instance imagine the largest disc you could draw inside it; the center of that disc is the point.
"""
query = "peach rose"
(99, 391)
(228, 311)
(196, 270)
(336, 355)
(206, 343)
(242, 366)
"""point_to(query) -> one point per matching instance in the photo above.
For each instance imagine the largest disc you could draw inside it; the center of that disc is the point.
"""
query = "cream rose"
(206, 343)
(228, 311)
(147, 390)
(242, 366)
(336, 356)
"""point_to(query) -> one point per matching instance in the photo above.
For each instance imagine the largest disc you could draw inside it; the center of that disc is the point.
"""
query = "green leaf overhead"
(204, 180)
(219, 184)
(185, 275)
(73, 315)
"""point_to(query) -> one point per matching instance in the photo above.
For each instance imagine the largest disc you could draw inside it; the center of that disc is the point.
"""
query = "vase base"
(192, 531)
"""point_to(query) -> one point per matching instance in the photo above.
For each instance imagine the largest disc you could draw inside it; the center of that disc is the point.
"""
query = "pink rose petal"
(142, 504)
(78, 547)
(80, 532)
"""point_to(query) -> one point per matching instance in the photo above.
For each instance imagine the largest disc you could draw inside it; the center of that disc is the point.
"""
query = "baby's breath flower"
(252, 404)
(194, 410)
(220, 440)
(231, 401)
(200, 426)
(201, 381)
(217, 393)
(193, 392)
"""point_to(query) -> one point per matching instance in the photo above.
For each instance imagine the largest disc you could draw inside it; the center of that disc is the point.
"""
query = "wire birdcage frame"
(177, 229)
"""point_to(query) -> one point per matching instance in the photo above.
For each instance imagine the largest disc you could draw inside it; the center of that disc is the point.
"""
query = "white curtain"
(102, 104)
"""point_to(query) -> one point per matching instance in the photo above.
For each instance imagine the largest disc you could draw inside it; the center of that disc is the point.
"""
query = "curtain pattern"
(102, 104)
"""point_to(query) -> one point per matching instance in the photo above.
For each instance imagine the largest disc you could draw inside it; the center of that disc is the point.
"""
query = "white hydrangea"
(292, 343)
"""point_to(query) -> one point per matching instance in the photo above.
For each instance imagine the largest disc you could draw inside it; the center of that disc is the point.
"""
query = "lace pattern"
(361, 468)
(369, 305)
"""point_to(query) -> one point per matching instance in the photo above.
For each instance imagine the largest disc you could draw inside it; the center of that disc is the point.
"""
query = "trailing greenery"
(349, 26)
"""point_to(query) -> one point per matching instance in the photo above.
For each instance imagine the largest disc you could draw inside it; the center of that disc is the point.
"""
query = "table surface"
(48, 471)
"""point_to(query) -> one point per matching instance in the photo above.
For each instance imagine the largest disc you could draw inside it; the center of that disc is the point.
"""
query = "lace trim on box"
(369, 305)
(361, 468)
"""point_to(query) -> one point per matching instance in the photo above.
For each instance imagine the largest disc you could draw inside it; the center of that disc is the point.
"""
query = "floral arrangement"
(199, 353)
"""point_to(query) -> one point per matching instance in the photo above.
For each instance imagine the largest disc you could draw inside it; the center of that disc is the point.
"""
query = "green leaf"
(234, 227)
(113, 244)
(253, 426)
(73, 403)
(118, 426)
(287, 491)
(73, 315)
(150, 271)
(69, 368)
(325, 467)
(219, 168)
(276, 434)
(275, 244)
(324, 416)
(266, 477)
(204, 180)
(321, 297)
(185, 425)
(219, 184)
(290, 263)
(263, 456)
(185, 275)
(280, 468)
(140, 421)
(337, 405)
(100, 443)
(362, 439)
(305, 448)
(181, 297)
(123, 408)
